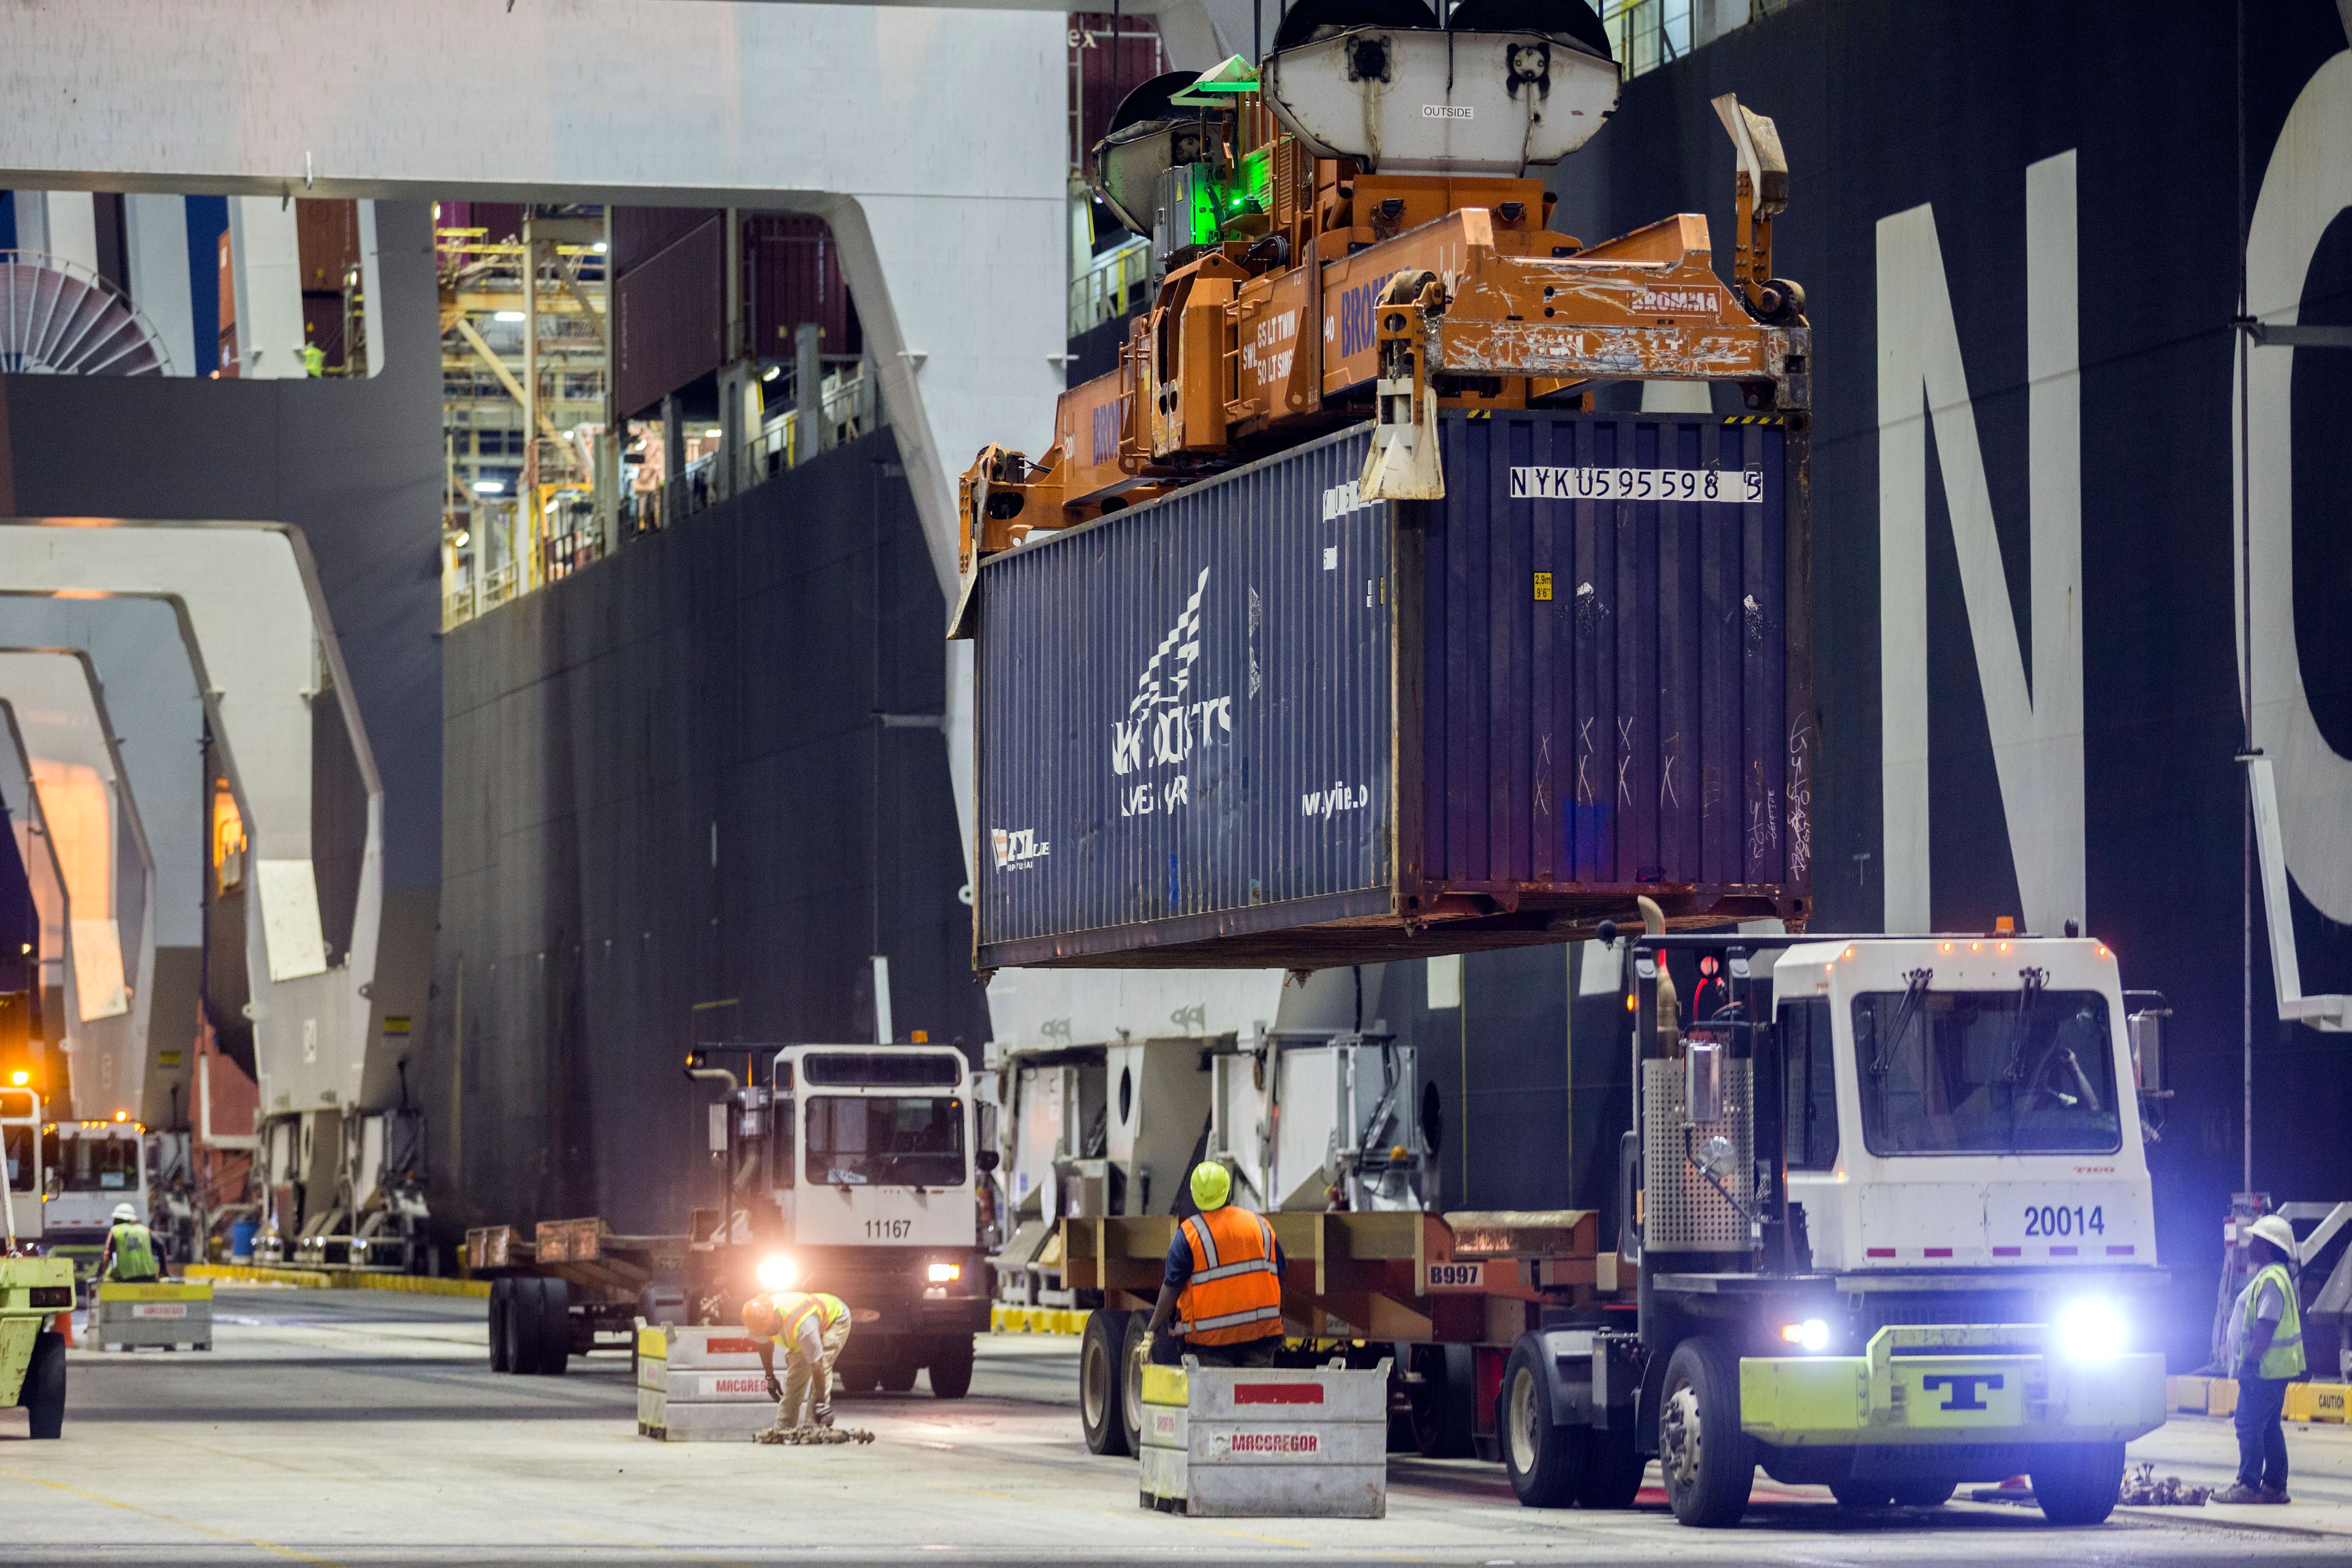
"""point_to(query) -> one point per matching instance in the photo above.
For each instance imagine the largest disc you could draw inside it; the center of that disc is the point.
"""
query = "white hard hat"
(124, 1211)
(2274, 1229)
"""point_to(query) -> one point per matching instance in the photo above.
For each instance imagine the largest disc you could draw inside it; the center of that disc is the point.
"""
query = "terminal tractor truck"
(1883, 1225)
(1887, 1217)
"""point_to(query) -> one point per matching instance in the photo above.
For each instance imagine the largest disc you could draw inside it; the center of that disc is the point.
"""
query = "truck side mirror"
(2147, 1031)
(988, 1160)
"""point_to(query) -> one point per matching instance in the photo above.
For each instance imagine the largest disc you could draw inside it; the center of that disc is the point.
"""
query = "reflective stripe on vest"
(1235, 1292)
(2283, 1359)
(829, 1310)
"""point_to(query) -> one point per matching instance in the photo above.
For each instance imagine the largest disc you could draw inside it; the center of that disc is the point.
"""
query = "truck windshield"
(898, 1140)
(103, 1164)
(1962, 1072)
(19, 1142)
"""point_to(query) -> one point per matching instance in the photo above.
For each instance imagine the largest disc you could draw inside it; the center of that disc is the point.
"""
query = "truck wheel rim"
(1093, 1385)
(1130, 1408)
(1523, 1422)
(1679, 1437)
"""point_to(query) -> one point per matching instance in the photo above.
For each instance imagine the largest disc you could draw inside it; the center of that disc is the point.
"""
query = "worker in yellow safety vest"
(2265, 1350)
(1222, 1285)
(129, 1252)
(812, 1327)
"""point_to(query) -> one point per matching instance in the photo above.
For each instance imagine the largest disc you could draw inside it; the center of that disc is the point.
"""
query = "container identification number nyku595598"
(1739, 486)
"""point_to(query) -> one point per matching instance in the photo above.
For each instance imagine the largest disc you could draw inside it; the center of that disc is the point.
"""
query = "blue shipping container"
(1261, 722)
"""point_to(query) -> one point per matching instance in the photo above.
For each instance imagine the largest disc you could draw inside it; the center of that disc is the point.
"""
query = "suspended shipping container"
(1264, 722)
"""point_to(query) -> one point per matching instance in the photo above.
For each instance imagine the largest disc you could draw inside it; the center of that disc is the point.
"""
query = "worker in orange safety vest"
(1222, 1283)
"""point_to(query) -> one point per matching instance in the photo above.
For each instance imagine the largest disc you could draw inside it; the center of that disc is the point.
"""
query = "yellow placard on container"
(162, 1290)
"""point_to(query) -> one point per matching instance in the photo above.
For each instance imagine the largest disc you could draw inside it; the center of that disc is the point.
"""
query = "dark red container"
(668, 319)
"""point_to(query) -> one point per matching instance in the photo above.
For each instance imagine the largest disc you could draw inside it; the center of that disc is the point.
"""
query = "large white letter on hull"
(2036, 725)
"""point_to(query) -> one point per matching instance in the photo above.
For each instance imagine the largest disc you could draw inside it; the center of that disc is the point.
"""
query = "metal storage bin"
(1245, 1442)
(171, 1312)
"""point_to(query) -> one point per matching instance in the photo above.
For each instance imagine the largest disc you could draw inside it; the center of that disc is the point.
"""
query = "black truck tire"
(554, 1328)
(897, 1374)
(2078, 1483)
(1102, 1382)
(950, 1367)
(1544, 1458)
(502, 1324)
(1612, 1470)
(527, 1325)
(1445, 1397)
(1710, 1462)
(44, 1393)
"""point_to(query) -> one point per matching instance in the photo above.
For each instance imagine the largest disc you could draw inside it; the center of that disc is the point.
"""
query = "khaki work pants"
(802, 1380)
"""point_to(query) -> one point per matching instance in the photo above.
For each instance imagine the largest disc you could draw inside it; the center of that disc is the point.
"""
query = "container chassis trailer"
(1883, 1216)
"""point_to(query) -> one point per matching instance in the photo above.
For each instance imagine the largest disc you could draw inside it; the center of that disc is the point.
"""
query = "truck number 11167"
(889, 1230)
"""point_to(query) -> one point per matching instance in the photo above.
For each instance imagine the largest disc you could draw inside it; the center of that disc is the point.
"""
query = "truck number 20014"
(2060, 1220)
(889, 1230)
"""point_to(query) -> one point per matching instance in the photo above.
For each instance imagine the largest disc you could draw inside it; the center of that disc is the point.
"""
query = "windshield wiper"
(2030, 983)
(1914, 986)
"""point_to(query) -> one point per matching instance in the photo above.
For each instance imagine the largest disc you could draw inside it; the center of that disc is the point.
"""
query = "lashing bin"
(1265, 1442)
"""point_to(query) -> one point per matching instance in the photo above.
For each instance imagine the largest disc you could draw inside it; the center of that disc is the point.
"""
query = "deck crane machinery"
(1350, 231)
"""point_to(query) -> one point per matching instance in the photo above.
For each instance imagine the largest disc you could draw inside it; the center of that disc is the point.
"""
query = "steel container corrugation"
(1259, 722)
(669, 315)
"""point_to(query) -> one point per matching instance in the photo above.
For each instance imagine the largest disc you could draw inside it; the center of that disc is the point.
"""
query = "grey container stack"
(1260, 722)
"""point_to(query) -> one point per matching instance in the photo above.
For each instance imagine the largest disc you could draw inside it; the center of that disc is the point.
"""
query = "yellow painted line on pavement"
(270, 1546)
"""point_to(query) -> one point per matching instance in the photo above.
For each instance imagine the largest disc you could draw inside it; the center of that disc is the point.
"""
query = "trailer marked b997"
(1437, 1277)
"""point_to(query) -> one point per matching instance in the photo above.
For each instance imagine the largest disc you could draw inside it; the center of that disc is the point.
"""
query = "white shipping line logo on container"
(1739, 486)
(1165, 722)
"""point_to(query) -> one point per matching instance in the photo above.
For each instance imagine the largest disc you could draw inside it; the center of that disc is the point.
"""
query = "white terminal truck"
(848, 1169)
(1888, 1211)
(1882, 1217)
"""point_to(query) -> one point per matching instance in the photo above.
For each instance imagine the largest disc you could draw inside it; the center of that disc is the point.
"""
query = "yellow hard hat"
(759, 1316)
(1211, 1185)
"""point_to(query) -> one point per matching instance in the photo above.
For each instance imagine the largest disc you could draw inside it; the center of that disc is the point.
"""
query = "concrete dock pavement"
(361, 1428)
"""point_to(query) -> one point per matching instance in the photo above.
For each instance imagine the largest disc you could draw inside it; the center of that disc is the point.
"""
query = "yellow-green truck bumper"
(32, 1290)
(1969, 1383)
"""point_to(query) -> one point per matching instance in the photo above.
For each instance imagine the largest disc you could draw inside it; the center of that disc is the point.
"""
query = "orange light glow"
(228, 840)
(2103, 950)
(1947, 947)
(2005, 923)
(1976, 947)
(20, 1077)
(2003, 947)
(122, 1116)
(1849, 953)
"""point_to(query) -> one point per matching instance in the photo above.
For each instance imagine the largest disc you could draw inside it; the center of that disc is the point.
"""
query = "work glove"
(825, 1415)
(776, 1389)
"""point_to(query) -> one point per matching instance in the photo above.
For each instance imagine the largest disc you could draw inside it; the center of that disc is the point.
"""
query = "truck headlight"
(777, 1271)
(1813, 1335)
(2092, 1330)
(946, 1273)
